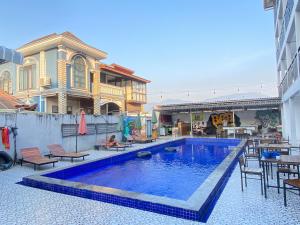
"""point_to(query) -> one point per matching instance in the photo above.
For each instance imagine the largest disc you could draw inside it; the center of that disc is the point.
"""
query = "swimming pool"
(185, 183)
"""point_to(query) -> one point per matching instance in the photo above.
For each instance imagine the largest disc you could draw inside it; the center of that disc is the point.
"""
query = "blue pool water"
(175, 175)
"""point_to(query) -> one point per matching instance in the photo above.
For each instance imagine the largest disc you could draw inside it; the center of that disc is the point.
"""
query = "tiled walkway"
(24, 205)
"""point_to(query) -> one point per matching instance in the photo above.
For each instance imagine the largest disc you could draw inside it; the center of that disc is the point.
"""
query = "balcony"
(111, 91)
(285, 24)
(276, 10)
(290, 77)
(136, 97)
(288, 12)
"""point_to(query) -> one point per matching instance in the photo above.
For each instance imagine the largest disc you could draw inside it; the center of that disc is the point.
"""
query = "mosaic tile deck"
(28, 206)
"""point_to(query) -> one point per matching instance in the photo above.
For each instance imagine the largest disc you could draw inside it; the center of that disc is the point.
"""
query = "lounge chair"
(33, 156)
(143, 140)
(106, 146)
(58, 151)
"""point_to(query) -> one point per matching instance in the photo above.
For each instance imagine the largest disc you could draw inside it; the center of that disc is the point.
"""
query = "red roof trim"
(122, 71)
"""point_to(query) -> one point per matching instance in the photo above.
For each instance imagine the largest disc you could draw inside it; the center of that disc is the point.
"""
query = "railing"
(290, 76)
(281, 38)
(288, 12)
(285, 24)
(276, 10)
(107, 89)
(136, 97)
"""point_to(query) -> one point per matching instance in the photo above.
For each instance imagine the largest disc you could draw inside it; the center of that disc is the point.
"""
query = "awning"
(9, 55)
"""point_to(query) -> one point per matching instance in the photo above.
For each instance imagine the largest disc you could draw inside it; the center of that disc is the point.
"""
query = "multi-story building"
(287, 41)
(62, 74)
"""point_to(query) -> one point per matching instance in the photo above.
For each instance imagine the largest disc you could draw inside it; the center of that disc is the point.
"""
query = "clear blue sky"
(180, 45)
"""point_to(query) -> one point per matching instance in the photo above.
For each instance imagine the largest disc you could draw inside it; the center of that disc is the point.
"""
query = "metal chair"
(294, 183)
(285, 169)
(251, 152)
(250, 171)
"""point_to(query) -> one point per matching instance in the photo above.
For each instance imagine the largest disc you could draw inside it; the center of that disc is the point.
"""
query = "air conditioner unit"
(45, 81)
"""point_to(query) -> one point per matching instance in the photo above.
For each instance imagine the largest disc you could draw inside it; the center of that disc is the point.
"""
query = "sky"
(190, 49)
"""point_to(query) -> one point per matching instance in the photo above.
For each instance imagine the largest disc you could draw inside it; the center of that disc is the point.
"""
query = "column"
(96, 92)
(297, 119)
(41, 76)
(62, 80)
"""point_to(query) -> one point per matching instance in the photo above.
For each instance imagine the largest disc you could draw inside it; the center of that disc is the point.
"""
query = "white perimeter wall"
(40, 129)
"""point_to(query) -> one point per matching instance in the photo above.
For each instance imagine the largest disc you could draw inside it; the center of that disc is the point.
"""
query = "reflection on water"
(172, 174)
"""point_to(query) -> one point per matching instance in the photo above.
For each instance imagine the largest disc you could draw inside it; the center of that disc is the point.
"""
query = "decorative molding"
(64, 41)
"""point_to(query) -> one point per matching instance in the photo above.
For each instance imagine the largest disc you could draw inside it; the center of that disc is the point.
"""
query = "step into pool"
(185, 182)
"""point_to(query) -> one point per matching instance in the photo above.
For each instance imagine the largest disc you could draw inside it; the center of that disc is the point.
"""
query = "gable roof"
(67, 39)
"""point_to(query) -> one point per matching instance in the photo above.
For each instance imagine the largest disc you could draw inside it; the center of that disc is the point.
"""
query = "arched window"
(79, 72)
(5, 82)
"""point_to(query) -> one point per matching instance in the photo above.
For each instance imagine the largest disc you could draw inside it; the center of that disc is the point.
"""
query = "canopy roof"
(237, 105)
(9, 55)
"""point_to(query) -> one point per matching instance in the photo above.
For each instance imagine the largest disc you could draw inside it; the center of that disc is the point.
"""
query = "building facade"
(131, 88)
(287, 41)
(62, 74)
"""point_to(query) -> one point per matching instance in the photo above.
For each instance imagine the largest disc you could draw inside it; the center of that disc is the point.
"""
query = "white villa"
(287, 41)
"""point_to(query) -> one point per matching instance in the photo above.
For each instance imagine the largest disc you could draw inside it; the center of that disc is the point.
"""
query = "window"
(79, 72)
(5, 82)
(54, 109)
(27, 78)
(69, 109)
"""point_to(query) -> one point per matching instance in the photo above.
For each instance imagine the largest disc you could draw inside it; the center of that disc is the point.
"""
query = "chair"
(285, 169)
(250, 171)
(33, 156)
(241, 133)
(295, 183)
(58, 151)
(266, 141)
(251, 152)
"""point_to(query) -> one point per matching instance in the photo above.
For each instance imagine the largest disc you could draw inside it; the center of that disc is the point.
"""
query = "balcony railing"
(276, 10)
(106, 89)
(136, 97)
(290, 76)
(288, 12)
(285, 24)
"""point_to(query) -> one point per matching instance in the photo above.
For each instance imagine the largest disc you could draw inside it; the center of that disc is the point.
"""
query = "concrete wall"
(40, 129)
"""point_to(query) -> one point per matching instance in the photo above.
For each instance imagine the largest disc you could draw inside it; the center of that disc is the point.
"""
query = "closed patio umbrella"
(154, 122)
(138, 122)
(120, 125)
(82, 129)
(82, 125)
(154, 117)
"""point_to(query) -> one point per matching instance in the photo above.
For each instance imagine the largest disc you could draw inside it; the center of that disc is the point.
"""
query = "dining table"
(290, 160)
